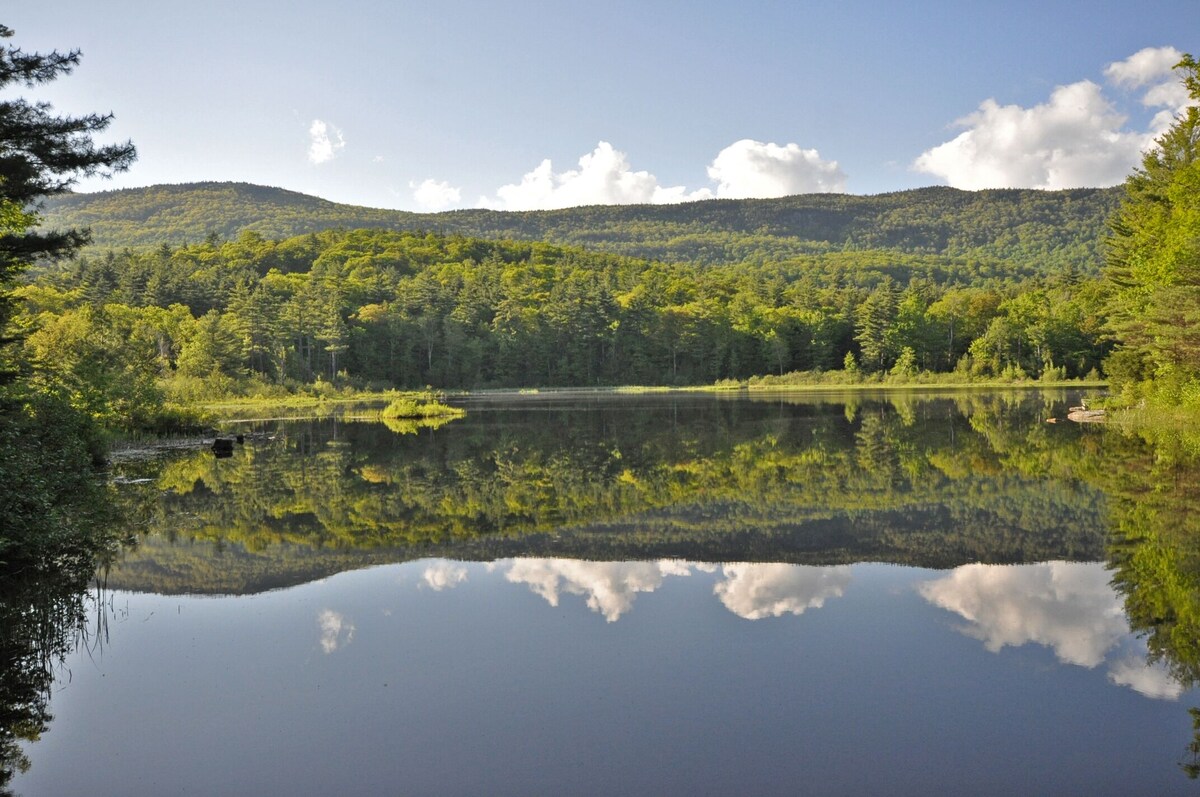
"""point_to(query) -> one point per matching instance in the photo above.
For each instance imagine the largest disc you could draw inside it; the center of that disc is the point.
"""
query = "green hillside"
(1045, 230)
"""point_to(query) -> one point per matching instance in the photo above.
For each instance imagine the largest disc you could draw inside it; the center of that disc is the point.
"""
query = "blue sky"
(462, 104)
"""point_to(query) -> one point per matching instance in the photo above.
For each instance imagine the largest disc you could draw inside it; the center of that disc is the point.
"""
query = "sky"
(526, 105)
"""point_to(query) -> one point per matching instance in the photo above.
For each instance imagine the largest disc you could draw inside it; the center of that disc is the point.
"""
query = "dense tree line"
(387, 309)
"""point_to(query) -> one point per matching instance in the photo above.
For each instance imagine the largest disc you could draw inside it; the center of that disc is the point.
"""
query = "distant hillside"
(1046, 230)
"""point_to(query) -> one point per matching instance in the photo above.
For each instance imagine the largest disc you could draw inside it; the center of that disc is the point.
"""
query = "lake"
(560, 593)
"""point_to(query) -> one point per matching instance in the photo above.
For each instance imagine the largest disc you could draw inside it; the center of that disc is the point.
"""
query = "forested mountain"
(1046, 230)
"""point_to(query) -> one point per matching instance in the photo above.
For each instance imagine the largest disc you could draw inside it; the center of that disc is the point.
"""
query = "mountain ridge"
(1050, 229)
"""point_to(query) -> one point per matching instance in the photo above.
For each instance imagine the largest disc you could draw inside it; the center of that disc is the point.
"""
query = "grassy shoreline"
(339, 403)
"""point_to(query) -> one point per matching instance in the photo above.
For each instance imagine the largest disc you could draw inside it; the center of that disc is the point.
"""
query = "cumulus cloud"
(336, 630)
(755, 591)
(434, 194)
(1153, 71)
(750, 168)
(609, 587)
(604, 176)
(1076, 138)
(324, 142)
(1066, 606)
(444, 575)
(1146, 66)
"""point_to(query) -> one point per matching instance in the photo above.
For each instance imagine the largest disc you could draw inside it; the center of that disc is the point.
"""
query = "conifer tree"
(41, 155)
(1153, 269)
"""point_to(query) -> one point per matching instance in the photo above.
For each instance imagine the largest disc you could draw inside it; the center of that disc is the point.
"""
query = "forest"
(376, 309)
(1044, 231)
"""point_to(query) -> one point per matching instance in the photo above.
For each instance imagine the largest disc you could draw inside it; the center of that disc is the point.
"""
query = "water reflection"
(1151, 679)
(750, 590)
(1028, 535)
(1068, 607)
(440, 575)
(755, 591)
(609, 588)
(336, 630)
(57, 525)
(934, 483)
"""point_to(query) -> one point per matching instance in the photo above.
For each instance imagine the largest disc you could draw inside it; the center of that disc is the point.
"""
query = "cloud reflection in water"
(610, 587)
(750, 590)
(1069, 607)
(755, 591)
(443, 574)
(336, 630)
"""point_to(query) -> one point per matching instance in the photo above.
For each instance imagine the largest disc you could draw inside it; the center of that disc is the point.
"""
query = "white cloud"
(434, 194)
(1068, 607)
(1153, 69)
(1077, 138)
(604, 177)
(745, 168)
(1146, 66)
(336, 630)
(325, 142)
(444, 575)
(610, 587)
(750, 168)
(755, 591)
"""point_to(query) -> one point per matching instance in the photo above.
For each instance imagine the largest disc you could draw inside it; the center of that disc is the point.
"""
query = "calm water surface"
(644, 595)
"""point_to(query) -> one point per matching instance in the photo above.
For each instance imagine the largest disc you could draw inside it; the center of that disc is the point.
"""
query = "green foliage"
(1044, 232)
(381, 310)
(906, 363)
(1153, 272)
(56, 525)
(41, 155)
(420, 407)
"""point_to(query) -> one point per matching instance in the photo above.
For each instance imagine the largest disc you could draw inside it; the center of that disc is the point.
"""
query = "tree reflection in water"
(1152, 479)
(59, 525)
(934, 483)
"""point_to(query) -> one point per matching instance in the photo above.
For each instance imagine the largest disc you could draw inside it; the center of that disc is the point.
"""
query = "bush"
(420, 406)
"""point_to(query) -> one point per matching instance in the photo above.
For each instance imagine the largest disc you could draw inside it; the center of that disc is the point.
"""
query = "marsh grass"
(421, 406)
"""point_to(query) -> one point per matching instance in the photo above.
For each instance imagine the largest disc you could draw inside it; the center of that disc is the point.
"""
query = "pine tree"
(41, 155)
(1153, 269)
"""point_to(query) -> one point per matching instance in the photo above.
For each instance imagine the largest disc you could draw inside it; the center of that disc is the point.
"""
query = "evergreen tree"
(1154, 261)
(41, 155)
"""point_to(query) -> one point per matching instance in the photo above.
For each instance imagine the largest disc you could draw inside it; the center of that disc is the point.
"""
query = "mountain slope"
(1049, 230)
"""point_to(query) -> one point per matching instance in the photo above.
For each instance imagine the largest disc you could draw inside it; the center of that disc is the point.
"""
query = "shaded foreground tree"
(55, 515)
(41, 154)
(1154, 265)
